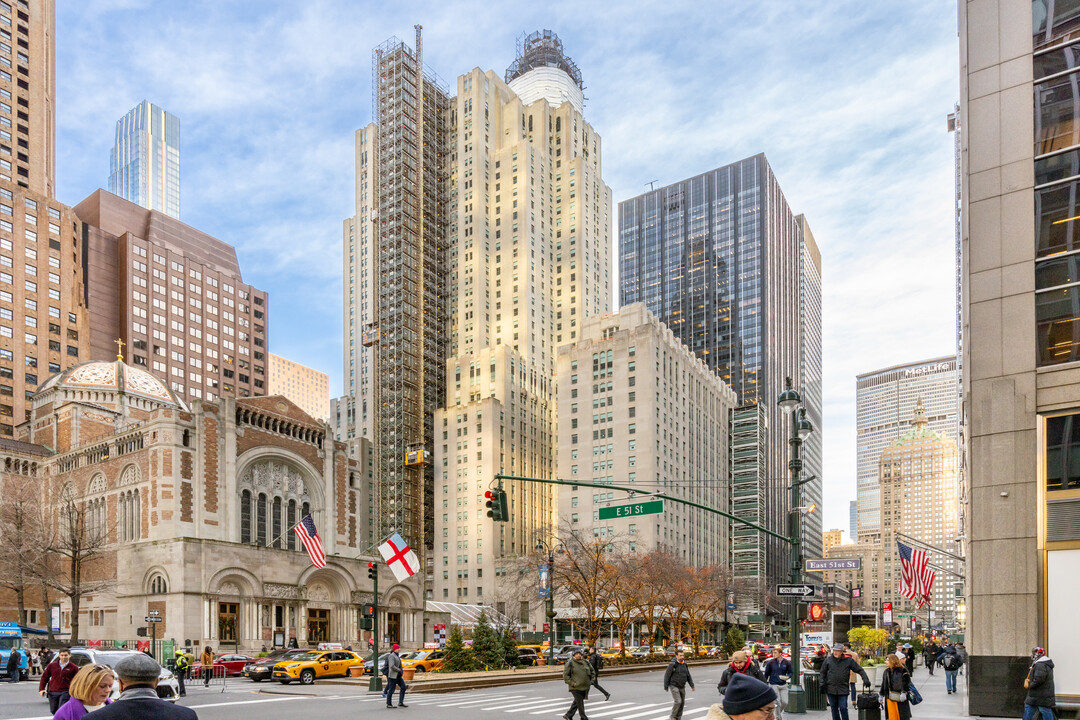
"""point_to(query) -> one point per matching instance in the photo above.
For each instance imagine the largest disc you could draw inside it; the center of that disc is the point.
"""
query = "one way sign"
(795, 590)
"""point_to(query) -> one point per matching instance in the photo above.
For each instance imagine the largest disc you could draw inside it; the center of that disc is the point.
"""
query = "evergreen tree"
(458, 657)
(485, 644)
(734, 641)
(508, 648)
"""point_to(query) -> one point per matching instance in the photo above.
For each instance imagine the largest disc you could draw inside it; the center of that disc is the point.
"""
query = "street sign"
(795, 590)
(152, 619)
(643, 508)
(833, 564)
(732, 606)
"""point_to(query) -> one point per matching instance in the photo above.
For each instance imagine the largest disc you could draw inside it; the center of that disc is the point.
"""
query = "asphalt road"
(638, 696)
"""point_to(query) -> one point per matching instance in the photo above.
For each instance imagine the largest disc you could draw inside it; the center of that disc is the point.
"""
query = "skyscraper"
(852, 521)
(307, 387)
(530, 257)
(721, 260)
(884, 402)
(144, 164)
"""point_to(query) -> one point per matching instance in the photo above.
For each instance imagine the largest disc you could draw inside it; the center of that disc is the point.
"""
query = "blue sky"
(847, 100)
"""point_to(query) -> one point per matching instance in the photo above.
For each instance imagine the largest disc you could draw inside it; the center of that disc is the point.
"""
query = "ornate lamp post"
(550, 548)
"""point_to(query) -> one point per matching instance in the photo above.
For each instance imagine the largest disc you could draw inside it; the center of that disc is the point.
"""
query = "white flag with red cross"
(400, 557)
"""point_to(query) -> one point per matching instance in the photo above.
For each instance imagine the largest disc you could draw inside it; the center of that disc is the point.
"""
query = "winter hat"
(395, 646)
(745, 694)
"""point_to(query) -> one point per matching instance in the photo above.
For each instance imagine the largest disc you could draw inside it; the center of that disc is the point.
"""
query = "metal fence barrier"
(218, 675)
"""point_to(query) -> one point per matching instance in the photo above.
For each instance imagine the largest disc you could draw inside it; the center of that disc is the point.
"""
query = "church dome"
(115, 377)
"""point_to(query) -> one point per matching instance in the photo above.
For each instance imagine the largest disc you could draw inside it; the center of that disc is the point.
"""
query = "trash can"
(815, 699)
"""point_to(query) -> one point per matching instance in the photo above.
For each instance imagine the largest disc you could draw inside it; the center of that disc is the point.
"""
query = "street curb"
(498, 680)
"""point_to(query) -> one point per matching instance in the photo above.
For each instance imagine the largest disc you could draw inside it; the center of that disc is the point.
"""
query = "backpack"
(948, 661)
(598, 663)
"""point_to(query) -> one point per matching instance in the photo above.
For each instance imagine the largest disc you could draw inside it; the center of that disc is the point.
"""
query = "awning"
(468, 615)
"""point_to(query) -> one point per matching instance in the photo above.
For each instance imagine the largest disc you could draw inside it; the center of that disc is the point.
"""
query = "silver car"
(167, 688)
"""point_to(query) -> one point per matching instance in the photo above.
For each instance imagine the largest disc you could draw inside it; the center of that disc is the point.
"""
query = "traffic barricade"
(218, 675)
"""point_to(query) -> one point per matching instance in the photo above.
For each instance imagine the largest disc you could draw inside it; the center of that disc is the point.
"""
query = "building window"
(260, 521)
(1063, 452)
(245, 516)
(158, 585)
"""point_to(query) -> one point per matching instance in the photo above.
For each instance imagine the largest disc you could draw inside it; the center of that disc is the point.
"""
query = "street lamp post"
(790, 400)
(542, 546)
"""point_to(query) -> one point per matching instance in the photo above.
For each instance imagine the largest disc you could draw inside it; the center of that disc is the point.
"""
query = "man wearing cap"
(835, 674)
(578, 674)
(394, 678)
(745, 698)
(1040, 700)
(138, 675)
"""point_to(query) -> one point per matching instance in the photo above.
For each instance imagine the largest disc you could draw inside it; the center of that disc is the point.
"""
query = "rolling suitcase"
(869, 706)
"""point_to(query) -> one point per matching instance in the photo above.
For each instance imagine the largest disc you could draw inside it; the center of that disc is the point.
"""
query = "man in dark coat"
(578, 675)
(597, 662)
(835, 673)
(13, 663)
(909, 655)
(676, 678)
(56, 679)
(1040, 687)
(138, 675)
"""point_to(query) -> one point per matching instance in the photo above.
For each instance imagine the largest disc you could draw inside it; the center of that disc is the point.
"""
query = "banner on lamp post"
(545, 581)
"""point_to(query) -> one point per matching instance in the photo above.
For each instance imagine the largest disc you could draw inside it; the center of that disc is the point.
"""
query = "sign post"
(153, 617)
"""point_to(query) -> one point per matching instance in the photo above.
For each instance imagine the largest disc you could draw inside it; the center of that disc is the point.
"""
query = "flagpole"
(269, 544)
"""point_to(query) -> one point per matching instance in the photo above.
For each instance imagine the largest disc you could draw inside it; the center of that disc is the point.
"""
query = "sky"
(848, 101)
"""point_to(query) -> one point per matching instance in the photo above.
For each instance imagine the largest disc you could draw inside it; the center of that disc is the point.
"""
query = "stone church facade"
(195, 505)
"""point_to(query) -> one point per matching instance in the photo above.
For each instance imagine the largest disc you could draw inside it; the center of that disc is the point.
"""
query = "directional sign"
(732, 606)
(833, 564)
(152, 619)
(621, 511)
(795, 590)
(153, 613)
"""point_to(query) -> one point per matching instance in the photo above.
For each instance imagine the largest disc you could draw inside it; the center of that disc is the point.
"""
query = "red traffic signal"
(816, 612)
(489, 495)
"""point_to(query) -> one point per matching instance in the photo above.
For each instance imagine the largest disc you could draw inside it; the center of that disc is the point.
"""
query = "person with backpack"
(676, 678)
(777, 672)
(951, 662)
(1040, 687)
(895, 686)
(597, 662)
(741, 663)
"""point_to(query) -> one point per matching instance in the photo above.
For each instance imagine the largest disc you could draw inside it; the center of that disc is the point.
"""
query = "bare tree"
(77, 550)
(20, 529)
(649, 591)
(584, 570)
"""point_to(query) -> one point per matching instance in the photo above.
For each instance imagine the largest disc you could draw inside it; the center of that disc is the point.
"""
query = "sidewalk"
(936, 704)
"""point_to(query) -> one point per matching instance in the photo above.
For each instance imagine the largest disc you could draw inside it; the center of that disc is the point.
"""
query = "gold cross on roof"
(119, 349)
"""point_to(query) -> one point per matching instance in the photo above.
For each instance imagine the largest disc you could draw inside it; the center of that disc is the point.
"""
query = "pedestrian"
(56, 680)
(394, 678)
(895, 686)
(676, 678)
(90, 691)
(835, 673)
(597, 662)
(909, 658)
(951, 663)
(14, 664)
(930, 655)
(182, 667)
(1040, 687)
(747, 698)
(777, 673)
(962, 652)
(36, 664)
(852, 676)
(207, 661)
(741, 664)
(578, 674)
(138, 676)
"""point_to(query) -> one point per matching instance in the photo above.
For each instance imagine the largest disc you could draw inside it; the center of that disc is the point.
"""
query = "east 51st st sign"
(621, 511)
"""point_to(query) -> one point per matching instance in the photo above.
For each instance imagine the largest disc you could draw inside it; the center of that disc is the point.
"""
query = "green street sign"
(622, 511)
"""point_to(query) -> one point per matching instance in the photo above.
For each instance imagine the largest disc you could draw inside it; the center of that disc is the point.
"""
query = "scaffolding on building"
(747, 501)
(542, 48)
(410, 106)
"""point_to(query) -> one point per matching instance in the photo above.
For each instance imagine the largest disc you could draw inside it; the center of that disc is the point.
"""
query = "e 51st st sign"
(621, 511)
(833, 564)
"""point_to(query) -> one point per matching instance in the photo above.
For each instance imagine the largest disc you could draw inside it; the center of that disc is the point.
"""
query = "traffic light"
(496, 505)
(817, 612)
(372, 571)
(367, 610)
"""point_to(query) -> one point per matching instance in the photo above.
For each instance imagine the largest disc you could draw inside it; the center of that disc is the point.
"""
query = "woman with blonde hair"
(895, 686)
(741, 663)
(90, 690)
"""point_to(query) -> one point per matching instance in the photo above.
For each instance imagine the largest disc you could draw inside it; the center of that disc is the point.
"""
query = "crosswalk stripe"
(622, 708)
(530, 704)
(554, 705)
(462, 703)
(694, 711)
(647, 712)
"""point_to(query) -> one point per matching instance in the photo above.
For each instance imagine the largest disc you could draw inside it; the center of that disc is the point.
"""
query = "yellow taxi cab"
(317, 664)
(425, 660)
(609, 653)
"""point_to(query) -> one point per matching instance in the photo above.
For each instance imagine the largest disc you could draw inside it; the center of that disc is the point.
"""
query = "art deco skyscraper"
(144, 165)
(530, 257)
(721, 260)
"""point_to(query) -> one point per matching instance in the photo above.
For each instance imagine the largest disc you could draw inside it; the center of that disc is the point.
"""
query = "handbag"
(914, 696)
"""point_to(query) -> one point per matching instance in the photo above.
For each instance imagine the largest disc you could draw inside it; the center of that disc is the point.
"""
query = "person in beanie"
(1040, 687)
(777, 673)
(676, 678)
(138, 675)
(393, 672)
(578, 674)
(745, 698)
(741, 663)
(835, 672)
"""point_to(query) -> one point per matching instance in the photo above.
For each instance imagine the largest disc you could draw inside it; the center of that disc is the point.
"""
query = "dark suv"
(260, 669)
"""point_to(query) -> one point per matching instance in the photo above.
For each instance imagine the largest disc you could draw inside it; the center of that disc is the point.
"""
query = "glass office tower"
(144, 165)
(721, 260)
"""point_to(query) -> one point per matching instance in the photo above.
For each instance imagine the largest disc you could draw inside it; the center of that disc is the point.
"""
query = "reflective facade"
(721, 260)
(144, 165)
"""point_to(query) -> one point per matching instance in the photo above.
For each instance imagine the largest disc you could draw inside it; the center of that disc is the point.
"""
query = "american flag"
(916, 578)
(310, 537)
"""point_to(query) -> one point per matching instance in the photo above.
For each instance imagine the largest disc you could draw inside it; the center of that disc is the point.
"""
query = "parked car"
(527, 656)
(167, 688)
(315, 665)
(233, 664)
(563, 653)
(426, 661)
(261, 669)
(367, 663)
